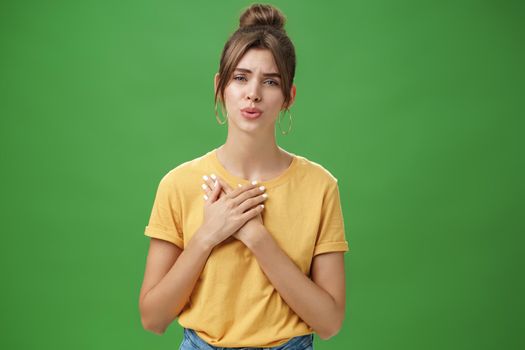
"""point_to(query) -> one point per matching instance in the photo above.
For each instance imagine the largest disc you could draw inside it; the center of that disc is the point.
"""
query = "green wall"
(413, 105)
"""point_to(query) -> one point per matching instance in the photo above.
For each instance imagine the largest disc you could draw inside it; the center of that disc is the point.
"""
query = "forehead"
(258, 60)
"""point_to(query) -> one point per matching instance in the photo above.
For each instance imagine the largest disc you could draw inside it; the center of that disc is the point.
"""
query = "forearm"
(310, 302)
(164, 302)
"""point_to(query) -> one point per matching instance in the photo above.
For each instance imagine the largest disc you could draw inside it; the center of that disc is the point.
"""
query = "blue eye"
(274, 83)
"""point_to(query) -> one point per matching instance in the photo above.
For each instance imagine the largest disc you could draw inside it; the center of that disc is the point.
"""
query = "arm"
(321, 302)
(170, 276)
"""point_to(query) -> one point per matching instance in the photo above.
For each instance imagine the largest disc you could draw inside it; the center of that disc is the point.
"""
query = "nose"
(253, 93)
(253, 98)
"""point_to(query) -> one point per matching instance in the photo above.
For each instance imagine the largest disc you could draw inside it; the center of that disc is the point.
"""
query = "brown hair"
(260, 26)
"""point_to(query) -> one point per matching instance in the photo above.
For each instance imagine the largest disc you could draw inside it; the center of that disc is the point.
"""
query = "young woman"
(247, 241)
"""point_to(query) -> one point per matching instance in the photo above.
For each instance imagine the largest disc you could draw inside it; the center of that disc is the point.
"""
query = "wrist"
(257, 238)
(203, 239)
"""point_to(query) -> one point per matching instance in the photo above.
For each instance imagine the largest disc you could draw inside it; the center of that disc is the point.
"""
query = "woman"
(247, 241)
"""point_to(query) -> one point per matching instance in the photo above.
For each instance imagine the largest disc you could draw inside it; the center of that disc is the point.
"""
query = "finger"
(250, 203)
(208, 184)
(248, 194)
(240, 190)
(206, 190)
(224, 184)
(252, 213)
(215, 193)
(210, 188)
(211, 183)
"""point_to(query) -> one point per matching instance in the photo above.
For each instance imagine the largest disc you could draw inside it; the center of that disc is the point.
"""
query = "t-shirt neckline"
(225, 174)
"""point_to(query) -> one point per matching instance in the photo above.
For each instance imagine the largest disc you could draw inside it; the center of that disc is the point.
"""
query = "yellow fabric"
(233, 303)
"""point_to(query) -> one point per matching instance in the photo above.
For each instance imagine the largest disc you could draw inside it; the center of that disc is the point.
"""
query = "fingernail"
(215, 184)
(213, 176)
(205, 197)
(239, 185)
(205, 178)
(262, 188)
(254, 182)
(204, 186)
(262, 205)
(265, 195)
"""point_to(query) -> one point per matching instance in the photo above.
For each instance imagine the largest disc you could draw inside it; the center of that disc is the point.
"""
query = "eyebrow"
(264, 74)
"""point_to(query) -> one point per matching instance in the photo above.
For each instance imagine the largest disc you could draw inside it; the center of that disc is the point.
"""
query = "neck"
(252, 156)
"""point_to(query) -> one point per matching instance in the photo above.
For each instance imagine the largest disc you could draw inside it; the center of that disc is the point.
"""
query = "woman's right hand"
(225, 215)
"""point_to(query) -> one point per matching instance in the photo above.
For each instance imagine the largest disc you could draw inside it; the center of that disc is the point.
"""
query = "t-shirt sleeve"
(164, 222)
(331, 234)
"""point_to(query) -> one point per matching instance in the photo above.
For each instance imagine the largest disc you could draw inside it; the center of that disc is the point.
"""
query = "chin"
(250, 126)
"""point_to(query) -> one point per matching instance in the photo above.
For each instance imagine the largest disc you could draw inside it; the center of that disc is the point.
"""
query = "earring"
(217, 115)
(290, 126)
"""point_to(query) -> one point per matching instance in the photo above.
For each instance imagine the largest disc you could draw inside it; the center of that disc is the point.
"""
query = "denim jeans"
(192, 341)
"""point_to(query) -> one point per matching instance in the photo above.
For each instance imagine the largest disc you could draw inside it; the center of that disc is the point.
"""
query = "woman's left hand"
(252, 227)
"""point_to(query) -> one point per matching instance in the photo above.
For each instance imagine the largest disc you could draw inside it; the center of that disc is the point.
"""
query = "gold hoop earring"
(290, 126)
(217, 115)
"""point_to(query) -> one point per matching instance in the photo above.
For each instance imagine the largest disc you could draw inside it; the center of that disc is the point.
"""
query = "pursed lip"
(251, 110)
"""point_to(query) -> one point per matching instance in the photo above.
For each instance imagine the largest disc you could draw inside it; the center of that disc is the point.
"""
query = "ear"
(215, 82)
(293, 91)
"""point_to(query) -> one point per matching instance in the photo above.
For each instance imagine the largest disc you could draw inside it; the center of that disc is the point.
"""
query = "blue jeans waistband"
(296, 343)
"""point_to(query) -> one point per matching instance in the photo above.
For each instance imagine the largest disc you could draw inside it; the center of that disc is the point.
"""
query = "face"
(255, 83)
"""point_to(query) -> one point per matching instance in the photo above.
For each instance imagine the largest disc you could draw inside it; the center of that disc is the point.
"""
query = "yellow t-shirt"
(233, 303)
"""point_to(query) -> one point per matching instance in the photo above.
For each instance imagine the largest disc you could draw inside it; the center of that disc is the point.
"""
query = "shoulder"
(186, 171)
(315, 172)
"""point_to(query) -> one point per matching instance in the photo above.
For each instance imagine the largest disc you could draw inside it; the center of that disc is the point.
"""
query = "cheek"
(277, 100)
(231, 95)
(232, 90)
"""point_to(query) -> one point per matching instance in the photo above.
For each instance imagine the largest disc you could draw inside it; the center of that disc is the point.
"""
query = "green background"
(413, 105)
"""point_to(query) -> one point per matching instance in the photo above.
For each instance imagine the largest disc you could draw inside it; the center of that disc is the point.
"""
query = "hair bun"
(262, 14)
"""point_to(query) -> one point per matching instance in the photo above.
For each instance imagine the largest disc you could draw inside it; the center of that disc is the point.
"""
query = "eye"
(241, 77)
